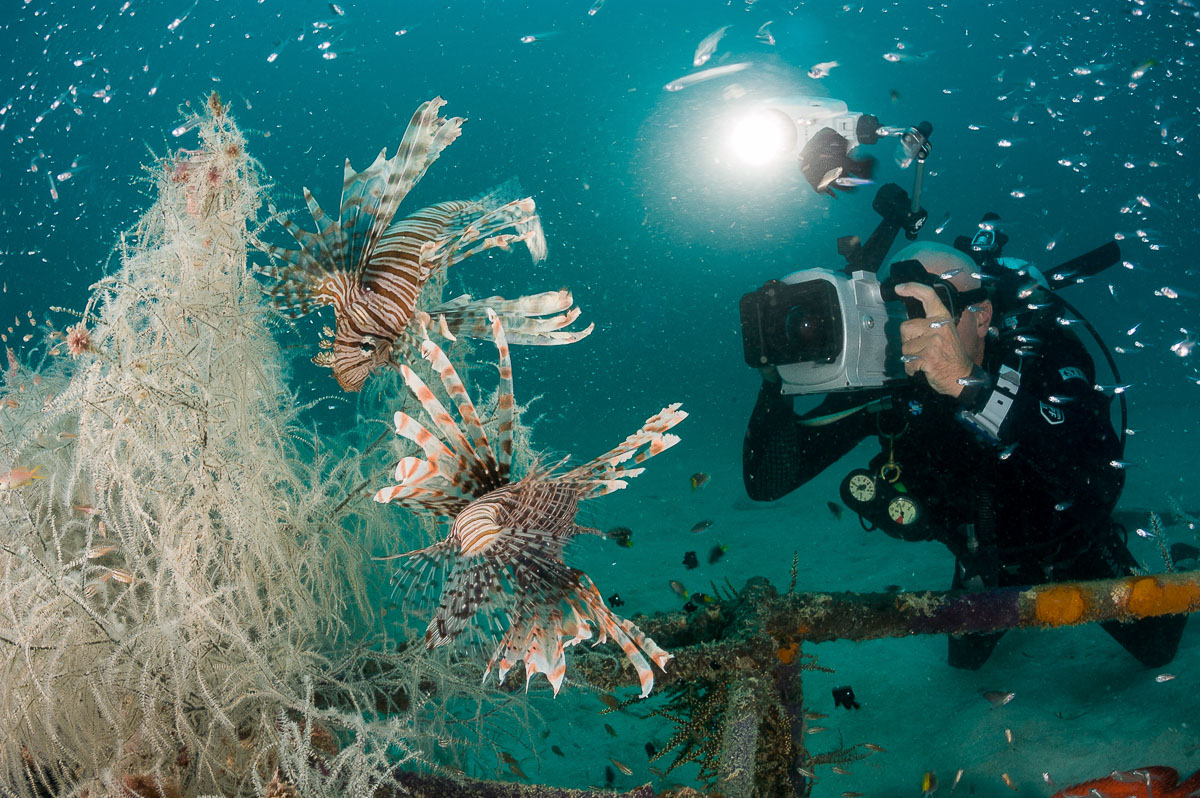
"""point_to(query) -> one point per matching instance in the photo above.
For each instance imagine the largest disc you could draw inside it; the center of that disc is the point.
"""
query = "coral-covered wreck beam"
(818, 617)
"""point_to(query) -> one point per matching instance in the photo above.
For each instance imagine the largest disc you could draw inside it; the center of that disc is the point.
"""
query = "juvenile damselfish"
(503, 557)
(371, 268)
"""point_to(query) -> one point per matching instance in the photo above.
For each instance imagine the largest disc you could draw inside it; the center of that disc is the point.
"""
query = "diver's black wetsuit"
(1027, 504)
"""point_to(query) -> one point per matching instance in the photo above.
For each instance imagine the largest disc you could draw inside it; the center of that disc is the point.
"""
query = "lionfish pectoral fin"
(527, 320)
(609, 471)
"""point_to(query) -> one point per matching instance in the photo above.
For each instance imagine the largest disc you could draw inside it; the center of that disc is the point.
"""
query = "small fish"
(835, 509)
(957, 779)
(703, 598)
(678, 587)
(508, 758)
(86, 509)
(937, 231)
(708, 46)
(765, 36)
(621, 535)
(610, 730)
(1164, 677)
(1140, 70)
(119, 575)
(615, 600)
(610, 701)
(806, 772)
(689, 561)
(873, 747)
(595, 9)
(609, 776)
(1046, 778)
(811, 715)
(530, 38)
(818, 71)
(816, 729)
(621, 766)
(894, 95)
(716, 553)
(515, 769)
(844, 697)
(336, 9)
(19, 478)
(96, 552)
(929, 784)
(558, 751)
(897, 57)
(701, 526)
(681, 83)
(840, 771)
(998, 698)
(651, 750)
(699, 480)
(1008, 735)
(852, 794)
(1008, 782)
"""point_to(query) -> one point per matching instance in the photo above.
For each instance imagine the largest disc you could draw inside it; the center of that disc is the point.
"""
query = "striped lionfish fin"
(522, 317)
(432, 484)
(314, 275)
(609, 471)
(370, 198)
(506, 403)
(539, 635)
(466, 408)
(629, 637)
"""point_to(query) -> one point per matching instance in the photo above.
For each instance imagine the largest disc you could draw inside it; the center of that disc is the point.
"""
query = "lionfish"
(503, 554)
(371, 269)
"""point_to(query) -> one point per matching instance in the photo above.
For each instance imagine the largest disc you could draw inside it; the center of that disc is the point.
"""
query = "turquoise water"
(658, 230)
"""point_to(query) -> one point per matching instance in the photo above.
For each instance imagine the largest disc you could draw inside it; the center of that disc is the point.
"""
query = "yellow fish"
(19, 478)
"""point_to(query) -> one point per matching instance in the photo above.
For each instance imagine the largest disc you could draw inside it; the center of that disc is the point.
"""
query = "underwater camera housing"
(823, 331)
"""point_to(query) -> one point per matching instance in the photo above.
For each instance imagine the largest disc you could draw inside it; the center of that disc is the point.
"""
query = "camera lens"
(812, 335)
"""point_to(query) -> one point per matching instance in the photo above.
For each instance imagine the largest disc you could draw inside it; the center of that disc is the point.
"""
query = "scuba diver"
(994, 439)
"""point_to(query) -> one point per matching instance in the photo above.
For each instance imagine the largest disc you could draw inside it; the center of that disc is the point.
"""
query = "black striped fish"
(503, 556)
(371, 268)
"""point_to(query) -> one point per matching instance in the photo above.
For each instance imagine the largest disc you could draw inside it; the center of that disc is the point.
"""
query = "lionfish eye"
(367, 347)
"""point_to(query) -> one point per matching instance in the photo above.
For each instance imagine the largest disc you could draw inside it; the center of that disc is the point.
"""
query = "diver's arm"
(780, 453)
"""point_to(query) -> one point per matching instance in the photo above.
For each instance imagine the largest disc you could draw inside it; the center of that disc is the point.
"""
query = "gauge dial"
(862, 487)
(902, 510)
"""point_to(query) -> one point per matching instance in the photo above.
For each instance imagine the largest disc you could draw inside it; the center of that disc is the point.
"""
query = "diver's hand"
(931, 344)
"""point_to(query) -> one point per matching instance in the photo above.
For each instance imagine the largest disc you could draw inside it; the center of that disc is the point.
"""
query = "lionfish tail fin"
(609, 471)
(539, 638)
(535, 320)
(312, 275)
(371, 197)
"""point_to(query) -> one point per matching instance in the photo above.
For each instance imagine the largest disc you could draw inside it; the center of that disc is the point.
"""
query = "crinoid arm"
(537, 319)
(609, 471)
(329, 262)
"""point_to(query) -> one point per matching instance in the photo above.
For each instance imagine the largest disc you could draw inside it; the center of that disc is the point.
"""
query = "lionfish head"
(356, 357)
